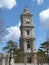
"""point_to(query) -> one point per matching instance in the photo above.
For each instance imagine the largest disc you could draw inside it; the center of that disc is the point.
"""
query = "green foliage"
(9, 47)
(45, 47)
(43, 52)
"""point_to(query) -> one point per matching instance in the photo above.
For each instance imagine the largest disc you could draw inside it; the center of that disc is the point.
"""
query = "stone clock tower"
(27, 40)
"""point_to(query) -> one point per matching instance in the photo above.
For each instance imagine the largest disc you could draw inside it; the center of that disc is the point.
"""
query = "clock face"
(27, 18)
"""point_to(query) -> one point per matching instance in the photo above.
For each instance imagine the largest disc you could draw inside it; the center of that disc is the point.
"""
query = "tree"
(17, 56)
(11, 46)
(41, 56)
(45, 47)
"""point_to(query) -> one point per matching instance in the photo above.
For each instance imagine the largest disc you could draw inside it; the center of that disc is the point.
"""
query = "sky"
(10, 15)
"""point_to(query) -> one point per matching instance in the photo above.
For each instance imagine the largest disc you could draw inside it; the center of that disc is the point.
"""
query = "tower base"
(26, 58)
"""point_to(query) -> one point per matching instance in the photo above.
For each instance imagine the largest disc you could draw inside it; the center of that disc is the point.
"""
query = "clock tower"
(27, 39)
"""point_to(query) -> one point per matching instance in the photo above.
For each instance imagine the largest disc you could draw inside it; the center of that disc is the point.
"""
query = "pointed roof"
(26, 12)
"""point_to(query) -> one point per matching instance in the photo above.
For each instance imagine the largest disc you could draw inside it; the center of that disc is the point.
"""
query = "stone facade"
(3, 59)
(27, 39)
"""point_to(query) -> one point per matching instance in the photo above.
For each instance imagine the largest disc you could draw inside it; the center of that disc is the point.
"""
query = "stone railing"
(31, 64)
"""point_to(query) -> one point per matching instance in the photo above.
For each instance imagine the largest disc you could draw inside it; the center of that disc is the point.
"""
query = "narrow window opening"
(28, 32)
(28, 46)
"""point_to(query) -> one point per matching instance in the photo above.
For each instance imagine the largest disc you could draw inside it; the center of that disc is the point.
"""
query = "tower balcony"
(27, 37)
(26, 26)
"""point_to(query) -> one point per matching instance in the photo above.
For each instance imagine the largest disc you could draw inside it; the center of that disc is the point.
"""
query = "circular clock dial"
(27, 19)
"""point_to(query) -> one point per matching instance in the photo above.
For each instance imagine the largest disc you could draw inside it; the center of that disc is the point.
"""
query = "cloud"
(44, 18)
(19, 24)
(13, 32)
(39, 2)
(9, 4)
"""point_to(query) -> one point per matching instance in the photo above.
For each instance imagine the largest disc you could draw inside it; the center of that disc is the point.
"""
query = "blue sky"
(11, 11)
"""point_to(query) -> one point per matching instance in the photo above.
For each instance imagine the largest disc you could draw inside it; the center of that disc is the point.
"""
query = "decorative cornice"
(27, 26)
(30, 38)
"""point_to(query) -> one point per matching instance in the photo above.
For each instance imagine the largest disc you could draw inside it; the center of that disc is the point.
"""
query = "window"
(28, 46)
(28, 32)
(28, 22)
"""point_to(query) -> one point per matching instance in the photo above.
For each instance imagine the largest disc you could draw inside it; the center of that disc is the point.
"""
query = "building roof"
(27, 12)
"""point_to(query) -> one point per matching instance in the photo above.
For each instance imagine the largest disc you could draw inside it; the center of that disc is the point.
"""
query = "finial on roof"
(26, 8)
(26, 11)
